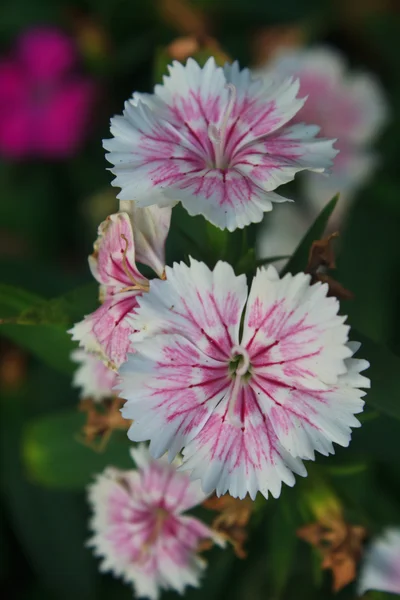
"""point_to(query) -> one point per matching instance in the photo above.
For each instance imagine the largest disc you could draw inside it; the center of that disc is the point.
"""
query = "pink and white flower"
(106, 331)
(93, 377)
(139, 527)
(381, 567)
(248, 384)
(215, 139)
(347, 105)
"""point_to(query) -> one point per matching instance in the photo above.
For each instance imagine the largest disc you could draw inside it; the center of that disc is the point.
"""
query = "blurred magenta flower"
(140, 527)
(45, 103)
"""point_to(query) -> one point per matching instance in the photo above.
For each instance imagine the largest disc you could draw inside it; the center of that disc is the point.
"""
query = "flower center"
(239, 365)
(218, 134)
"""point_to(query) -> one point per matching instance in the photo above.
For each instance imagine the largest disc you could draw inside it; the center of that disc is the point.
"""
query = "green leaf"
(40, 325)
(54, 457)
(299, 259)
(49, 525)
(282, 543)
(217, 240)
(384, 370)
(266, 261)
(49, 343)
(14, 300)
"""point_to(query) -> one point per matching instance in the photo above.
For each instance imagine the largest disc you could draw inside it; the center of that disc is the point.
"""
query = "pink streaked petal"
(204, 306)
(305, 421)
(227, 198)
(171, 389)
(261, 107)
(139, 534)
(240, 459)
(148, 154)
(288, 338)
(106, 331)
(46, 52)
(276, 160)
(113, 262)
(196, 97)
(150, 226)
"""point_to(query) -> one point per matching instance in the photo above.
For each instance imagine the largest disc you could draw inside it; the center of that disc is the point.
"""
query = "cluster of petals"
(215, 138)
(45, 103)
(247, 383)
(140, 529)
(381, 567)
(130, 235)
(94, 379)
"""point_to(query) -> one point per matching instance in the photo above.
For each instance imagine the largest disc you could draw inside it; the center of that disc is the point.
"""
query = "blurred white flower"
(381, 567)
(93, 377)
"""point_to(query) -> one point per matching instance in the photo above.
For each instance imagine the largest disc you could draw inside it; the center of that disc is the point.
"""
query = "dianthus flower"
(347, 105)
(381, 568)
(123, 238)
(45, 103)
(215, 139)
(246, 392)
(93, 377)
(139, 527)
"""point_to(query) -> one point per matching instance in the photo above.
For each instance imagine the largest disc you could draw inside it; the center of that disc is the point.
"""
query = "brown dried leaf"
(102, 420)
(322, 257)
(232, 521)
(340, 545)
(184, 17)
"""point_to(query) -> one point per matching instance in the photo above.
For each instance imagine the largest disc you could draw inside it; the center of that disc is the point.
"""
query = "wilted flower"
(215, 139)
(139, 527)
(45, 103)
(246, 393)
(93, 377)
(123, 237)
(381, 567)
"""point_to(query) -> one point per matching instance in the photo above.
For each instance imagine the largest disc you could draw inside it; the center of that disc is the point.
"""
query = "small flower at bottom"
(139, 527)
(246, 393)
(381, 568)
(121, 236)
(215, 139)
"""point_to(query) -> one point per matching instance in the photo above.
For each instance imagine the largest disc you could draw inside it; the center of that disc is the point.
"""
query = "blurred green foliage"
(48, 228)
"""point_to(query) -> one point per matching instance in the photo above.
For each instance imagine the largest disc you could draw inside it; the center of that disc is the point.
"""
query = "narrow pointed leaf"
(299, 259)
